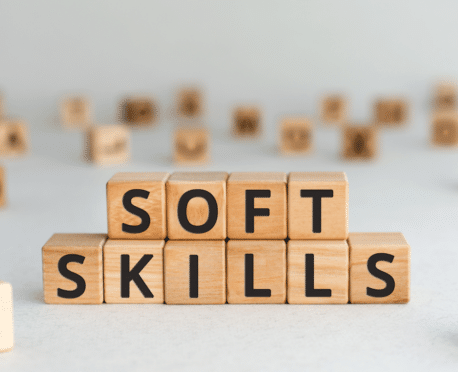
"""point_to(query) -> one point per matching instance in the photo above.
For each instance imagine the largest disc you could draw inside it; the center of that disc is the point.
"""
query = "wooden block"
(190, 103)
(317, 272)
(139, 111)
(195, 272)
(133, 271)
(247, 121)
(76, 112)
(359, 142)
(391, 111)
(136, 206)
(445, 96)
(196, 206)
(6, 317)
(108, 144)
(14, 139)
(73, 269)
(2, 187)
(295, 136)
(445, 128)
(256, 205)
(256, 272)
(334, 109)
(191, 146)
(318, 205)
(379, 268)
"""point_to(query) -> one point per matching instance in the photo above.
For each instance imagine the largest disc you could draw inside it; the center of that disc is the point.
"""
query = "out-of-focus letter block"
(108, 144)
(136, 206)
(76, 112)
(191, 146)
(359, 142)
(379, 268)
(247, 122)
(256, 272)
(189, 103)
(13, 138)
(445, 96)
(73, 269)
(196, 206)
(317, 272)
(6, 317)
(195, 272)
(295, 136)
(141, 111)
(2, 187)
(132, 271)
(333, 109)
(318, 205)
(391, 111)
(256, 205)
(445, 128)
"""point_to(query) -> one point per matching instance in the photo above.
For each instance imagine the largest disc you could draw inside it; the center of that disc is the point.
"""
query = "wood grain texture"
(76, 112)
(151, 274)
(247, 122)
(445, 96)
(445, 128)
(191, 145)
(91, 270)
(296, 136)
(139, 111)
(331, 266)
(197, 209)
(362, 247)
(108, 144)
(14, 137)
(154, 205)
(392, 111)
(359, 142)
(269, 270)
(211, 271)
(334, 109)
(6, 317)
(3, 191)
(334, 210)
(190, 103)
(273, 226)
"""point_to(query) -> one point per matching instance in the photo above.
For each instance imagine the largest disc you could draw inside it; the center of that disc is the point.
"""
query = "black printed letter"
(212, 211)
(310, 290)
(66, 273)
(316, 196)
(251, 211)
(249, 280)
(387, 278)
(128, 275)
(127, 203)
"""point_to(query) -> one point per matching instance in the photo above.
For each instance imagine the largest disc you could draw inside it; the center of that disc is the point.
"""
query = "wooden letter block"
(445, 128)
(295, 136)
(190, 103)
(73, 269)
(256, 272)
(317, 272)
(334, 109)
(195, 272)
(391, 111)
(133, 271)
(256, 205)
(108, 144)
(379, 268)
(359, 142)
(445, 96)
(196, 206)
(192, 146)
(13, 138)
(139, 111)
(247, 122)
(2, 187)
(76, 112)
(6, 317)
(136, 206)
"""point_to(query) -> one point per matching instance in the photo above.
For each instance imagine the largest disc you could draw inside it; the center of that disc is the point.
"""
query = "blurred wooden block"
(108, 144)
(445, 96)
(256, 205)
(195, 272)
(196, 206)
(318, 205)
(2, 187)
(14, 139)
(247, 122)
(317, 272)
(133, 271)
(190, 103)
(73, 269)
(379, 268)
(445, 128)
(139, 111)
(295, 136)
(191, 146)
(6, 317)
(333, 109)
(391, 111)
(359, 142)
(136, 206)
(76, 112)
(256, 272)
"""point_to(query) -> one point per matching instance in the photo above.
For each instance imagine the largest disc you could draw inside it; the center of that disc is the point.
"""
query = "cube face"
(196, 206)
(318, 205)
(6, 317)
(13, 138)
(317, 271)
(195, 272)
(256, 272)
(136, 206)
(359, 143)
(295, 136)
(190, 103)
(133, 271)
(2, 187)
(191, 146)
(139, 111)
(445, 129)
(256, 205)
(247, 122)
(333, 109)
(445, 96)
(108, 144)
(391, 111)
(76, 112)
(379, 268)
(73, 269)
